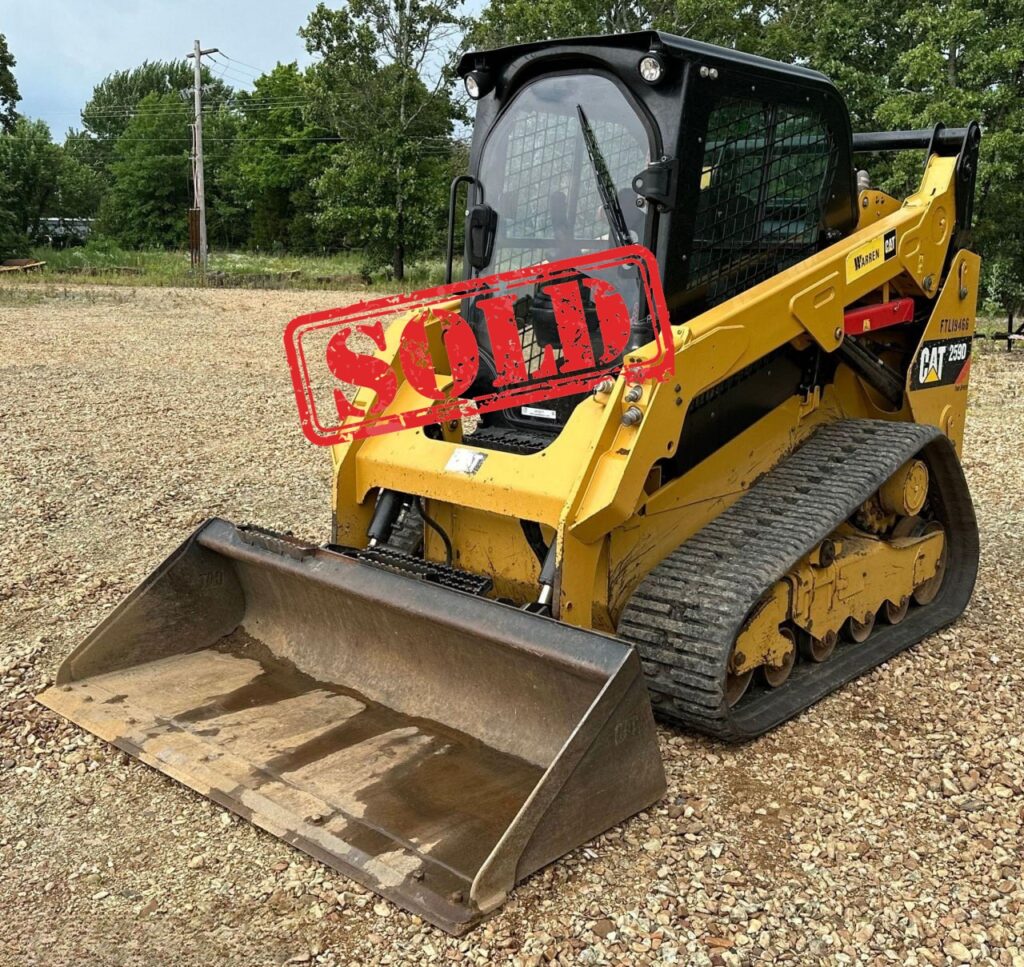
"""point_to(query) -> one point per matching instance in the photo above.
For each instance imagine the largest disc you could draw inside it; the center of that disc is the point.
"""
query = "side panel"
(940, 370)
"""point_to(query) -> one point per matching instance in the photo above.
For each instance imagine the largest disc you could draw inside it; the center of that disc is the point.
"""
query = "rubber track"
(686, 614)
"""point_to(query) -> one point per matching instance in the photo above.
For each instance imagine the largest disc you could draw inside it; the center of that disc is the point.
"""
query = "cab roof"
(642, 41)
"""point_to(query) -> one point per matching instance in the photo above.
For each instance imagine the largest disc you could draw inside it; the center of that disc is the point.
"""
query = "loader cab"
(728, 167)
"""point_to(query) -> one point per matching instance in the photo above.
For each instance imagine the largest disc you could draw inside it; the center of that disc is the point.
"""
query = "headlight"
(651, 68)
(478, 83)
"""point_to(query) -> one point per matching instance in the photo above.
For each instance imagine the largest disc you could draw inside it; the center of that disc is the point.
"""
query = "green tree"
(118, 99)
(731, 23)
(963, 61)
(1003, 281)
(897, 65)
(523, 21)
(9, 95)
(382, 82)
(855, 45)
(150, 189)
(83, 177)
(150, 176)
(226, 213)
(280, 153)
(29, 172)
(80, 188)
(841, 39)
(952, 61)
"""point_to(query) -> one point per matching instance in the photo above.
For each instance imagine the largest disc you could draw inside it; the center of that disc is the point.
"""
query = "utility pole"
(198, 54)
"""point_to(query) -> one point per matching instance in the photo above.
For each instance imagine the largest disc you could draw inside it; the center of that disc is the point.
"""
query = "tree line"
(355, 152)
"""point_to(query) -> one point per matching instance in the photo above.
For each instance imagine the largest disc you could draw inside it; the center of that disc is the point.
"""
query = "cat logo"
(889, 244)
(931, 364)
(941, 362)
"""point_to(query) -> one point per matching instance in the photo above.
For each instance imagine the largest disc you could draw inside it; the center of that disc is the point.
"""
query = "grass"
(991, 324)
(14, 296)
(103, 263)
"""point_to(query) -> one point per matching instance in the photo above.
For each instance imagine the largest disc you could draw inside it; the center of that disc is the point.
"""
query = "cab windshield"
(539, 177)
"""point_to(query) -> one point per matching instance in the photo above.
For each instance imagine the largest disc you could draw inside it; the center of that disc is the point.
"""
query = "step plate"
(401, 562)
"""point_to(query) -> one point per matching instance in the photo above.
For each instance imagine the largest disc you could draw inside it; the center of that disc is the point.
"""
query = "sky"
(65, 47)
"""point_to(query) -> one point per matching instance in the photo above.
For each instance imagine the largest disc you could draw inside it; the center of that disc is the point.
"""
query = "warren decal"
(941, 362)
(874, 252)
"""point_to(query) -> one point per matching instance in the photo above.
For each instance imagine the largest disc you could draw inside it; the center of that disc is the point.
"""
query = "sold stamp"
(459, 349)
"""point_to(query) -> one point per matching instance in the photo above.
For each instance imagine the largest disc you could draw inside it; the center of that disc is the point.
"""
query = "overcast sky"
(65, 47)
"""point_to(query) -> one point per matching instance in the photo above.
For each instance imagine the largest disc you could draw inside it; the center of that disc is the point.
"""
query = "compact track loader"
(458, 686)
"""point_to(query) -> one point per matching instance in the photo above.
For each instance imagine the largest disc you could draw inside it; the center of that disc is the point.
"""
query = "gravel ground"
(882, 827)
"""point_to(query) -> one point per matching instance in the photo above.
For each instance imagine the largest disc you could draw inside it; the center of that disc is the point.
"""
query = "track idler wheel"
(895, 612)
(859, 631)
(776, 675)
(818, 649)
(736, 686)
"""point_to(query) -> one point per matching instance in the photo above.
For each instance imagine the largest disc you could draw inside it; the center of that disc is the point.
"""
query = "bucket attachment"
(433, 745)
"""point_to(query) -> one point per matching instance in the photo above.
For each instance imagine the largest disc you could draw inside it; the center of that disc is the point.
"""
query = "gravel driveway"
(884, 826)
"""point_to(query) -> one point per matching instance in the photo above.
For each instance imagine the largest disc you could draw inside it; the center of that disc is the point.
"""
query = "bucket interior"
(392, 728)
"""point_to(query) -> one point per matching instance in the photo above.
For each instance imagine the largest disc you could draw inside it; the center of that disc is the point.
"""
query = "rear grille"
(510, 439)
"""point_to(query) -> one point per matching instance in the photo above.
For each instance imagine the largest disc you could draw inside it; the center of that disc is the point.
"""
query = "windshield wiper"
(605, 186)
(641, 330)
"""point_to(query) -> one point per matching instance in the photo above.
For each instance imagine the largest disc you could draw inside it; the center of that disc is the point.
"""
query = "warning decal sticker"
(941, 362)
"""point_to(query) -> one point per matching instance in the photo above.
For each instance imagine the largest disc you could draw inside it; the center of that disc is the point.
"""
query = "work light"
(651, 68)
(478, 83)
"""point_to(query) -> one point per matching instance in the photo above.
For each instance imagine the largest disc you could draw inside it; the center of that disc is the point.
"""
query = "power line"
(440, 142)
(242, 63)
(244, 99)
(232, 77)
(238, 98)
(437, 144)
(238, 105)
(239, 101)
(136, 107)
(237, 75)
(220, 74)
(258, 104)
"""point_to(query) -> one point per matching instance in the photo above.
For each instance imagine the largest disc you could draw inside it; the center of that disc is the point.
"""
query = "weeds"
(101, 262)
